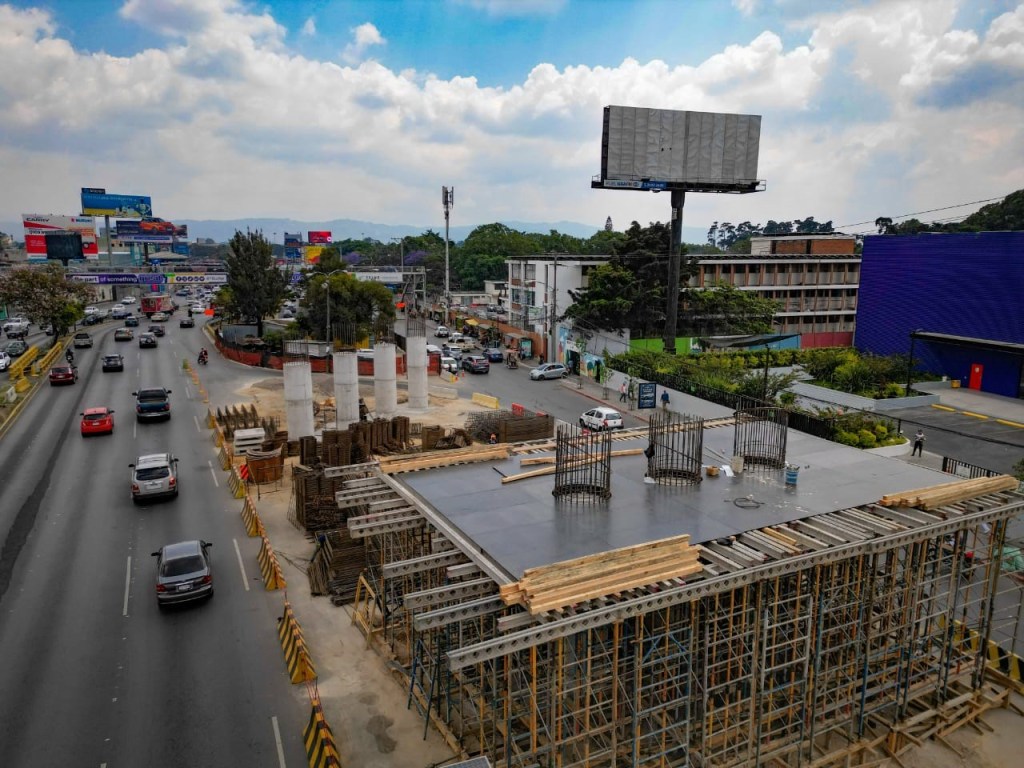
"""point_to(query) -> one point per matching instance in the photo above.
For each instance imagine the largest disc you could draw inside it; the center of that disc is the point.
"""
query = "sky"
(363, 109)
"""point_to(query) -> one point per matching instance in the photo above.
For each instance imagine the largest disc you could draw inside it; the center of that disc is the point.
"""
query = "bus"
(156, 302)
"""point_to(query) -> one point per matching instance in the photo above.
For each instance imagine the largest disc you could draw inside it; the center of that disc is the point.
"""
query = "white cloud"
(515, 7)
(878, 112)
(309, 28)
(363, 37)
(745, 7)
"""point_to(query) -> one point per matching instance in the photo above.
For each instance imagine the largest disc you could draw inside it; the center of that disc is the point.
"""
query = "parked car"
(476, 364)
(186, 322)
(63, 374)
(90, 310)
(119, 311)
(93, 319)
(549, 371)
(184, 572)
(82, 340)
(152, 403)
(147, 340)
(16, 348)
(494, 354)
(97, 421)
(5, 361)
(449, 364)
(124, 334)
(131, 321)
(46, 328)
(601, 418)
(113, 363)
(441, 332)
(156, 330)
(154, 475)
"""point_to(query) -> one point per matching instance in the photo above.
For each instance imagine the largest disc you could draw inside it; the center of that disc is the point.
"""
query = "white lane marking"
(127, 585)
(241, 566)
(188, 392)
(135, 427)
(213, 474)
(277, 740)
(196, 418)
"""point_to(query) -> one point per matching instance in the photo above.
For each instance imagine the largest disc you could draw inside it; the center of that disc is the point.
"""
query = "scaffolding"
(839, 639)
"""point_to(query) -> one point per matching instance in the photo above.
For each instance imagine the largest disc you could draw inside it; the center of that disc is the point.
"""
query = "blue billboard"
(96, 202)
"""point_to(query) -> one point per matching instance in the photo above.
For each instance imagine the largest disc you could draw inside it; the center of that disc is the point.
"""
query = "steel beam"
(431, 597)
(443, 616)
(352, 469)
(388, 525)
(421, 564)
(638, 606)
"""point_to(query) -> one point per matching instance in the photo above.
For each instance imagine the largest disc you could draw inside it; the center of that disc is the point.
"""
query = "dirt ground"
(365, 702)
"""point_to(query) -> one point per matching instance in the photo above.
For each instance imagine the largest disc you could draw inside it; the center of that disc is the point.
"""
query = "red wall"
(316, 364)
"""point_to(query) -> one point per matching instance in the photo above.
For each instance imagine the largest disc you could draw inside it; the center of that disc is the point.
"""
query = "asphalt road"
(94, 673)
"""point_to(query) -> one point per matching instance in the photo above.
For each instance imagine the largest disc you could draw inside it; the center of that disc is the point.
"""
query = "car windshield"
(96, 416)
(180, 566)
(112, 359)
(152, 473)
(152, 394)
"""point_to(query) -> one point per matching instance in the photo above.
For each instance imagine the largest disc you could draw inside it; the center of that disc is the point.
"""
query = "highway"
(94, 673)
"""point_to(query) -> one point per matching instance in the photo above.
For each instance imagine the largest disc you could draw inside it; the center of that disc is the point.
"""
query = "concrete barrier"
(296, 655)
(225, 456)
(235, 483)
(321, 751)
(486, 400)
(270, 569)
(996, 658)
(251, 518)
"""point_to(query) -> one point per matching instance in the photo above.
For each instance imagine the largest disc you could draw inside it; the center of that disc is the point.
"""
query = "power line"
(919, 213)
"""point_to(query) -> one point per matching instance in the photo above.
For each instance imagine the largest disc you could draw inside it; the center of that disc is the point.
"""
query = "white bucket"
(737, 464)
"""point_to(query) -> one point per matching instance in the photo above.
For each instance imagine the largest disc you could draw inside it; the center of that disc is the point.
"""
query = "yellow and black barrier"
(296, 655)
(211, 420)
(235, 483)
(46, 361)
(226, 456)
(251, 518)
(273, 577)
(321, 751)
(218, 436)
(996, 658)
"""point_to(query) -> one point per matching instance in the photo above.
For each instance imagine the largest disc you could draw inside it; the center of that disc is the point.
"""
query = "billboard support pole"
(106, 229)
(674, 257)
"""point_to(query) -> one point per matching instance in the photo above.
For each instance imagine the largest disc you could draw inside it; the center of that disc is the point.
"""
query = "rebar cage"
(760, 437)
(676, 448)
(583, 465)
(416, 326)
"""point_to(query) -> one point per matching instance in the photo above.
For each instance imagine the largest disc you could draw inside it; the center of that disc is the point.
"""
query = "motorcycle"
(511, 363)
(70, 357)
(203, 359)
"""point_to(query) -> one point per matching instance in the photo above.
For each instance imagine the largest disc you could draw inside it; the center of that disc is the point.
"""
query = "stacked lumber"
(949, 493)
(391, 465)
(335, 567)
(551, 587)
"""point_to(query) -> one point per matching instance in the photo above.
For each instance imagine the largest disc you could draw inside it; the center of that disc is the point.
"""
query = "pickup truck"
(16, 328)
(152, 403)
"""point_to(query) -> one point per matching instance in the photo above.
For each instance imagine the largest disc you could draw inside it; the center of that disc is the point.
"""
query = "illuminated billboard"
(149, 230)
(664, 149)
(96, 202)
(38, 226)
(313, 253)
(319, 238)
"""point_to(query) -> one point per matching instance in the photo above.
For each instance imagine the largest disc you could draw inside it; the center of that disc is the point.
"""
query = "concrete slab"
(521, 525)
(994, 406)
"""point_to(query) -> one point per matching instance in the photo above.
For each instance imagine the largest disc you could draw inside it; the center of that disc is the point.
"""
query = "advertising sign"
(322, 237)
(98, 203)
(313, 253)
(201, 278)
(388, 278)
(293, 253)
(38, 226)
(292, 239)
(149, 230)
(150, 278)
(180, 248)
(645, 394)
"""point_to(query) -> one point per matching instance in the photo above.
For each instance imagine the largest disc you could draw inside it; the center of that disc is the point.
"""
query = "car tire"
(565, 374)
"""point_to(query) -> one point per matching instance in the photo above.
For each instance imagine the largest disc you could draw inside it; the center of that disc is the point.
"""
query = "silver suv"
(549, 371)
(154, 476)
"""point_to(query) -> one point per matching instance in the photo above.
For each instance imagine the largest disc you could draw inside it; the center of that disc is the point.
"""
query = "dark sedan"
(184, 572)
(156, 330)
(113, 363)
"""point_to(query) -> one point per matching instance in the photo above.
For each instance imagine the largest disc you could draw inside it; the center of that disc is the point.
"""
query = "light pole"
(910, 362)
(327, 289)
(448, 201)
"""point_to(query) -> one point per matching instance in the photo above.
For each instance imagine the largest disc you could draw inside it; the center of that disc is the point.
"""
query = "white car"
(160, 317)
(119, 311)
(5, 361)
(198, 308)
(91, 310)
(602, 418)
(433, 349)
(441, 332)
(128, 300)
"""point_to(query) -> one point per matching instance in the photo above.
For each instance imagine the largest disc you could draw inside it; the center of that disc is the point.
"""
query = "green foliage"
(1018, 470)
(45, 295)
(257, 286)
(866, 438)
(1008, 214)
(354, 306)
(731, 237)
(726, 310)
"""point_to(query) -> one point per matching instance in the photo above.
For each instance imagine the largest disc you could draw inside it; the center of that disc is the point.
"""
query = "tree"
(354, 304)
(609, 300)
(726, 310)
(256, 286)
(45, 295)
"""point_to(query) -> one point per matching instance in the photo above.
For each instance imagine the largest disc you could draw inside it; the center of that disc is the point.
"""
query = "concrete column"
(346, 387)
(385, 387)
(298, 399)
(416, 367)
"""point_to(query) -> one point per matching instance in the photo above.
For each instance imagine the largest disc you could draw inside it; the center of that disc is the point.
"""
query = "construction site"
(717, 592)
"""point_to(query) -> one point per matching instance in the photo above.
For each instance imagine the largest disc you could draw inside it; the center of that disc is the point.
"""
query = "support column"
(346, 387)
(672, 286)
(298, 399)
(385, 387)
(416, 367)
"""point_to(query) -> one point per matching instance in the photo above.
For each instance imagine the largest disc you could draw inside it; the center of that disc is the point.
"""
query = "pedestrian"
(918, 444)
(631, 391)
(664, 399)
(622, 391)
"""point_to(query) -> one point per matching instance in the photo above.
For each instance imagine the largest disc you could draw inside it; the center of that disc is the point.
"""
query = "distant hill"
(222, 230)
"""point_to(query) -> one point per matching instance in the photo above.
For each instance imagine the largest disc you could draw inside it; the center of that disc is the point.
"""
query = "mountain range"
(342, 229)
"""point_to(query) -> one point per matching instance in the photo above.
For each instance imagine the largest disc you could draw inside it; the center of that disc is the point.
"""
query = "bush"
(881, 431)
(891, 390)
(847, 438)
(866, 439)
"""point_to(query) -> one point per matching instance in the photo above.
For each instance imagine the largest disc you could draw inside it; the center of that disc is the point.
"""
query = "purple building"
(953, 301)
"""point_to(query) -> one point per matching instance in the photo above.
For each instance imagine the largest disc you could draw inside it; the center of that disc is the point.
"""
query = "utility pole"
(674, 257)
(553, 346)
(447, 200)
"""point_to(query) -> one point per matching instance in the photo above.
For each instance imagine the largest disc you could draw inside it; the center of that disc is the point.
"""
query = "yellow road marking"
(943, 407)
(1010, 423)
(975, 415)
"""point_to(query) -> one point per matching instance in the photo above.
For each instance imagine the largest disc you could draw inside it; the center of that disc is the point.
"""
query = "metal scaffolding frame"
(851, 625)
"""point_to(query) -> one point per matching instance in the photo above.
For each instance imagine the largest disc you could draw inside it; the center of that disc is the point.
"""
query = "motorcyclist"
(70, 357)
(203, 356)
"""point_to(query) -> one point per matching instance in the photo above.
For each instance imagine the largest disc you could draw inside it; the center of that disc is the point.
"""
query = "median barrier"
(225, 456)
(270, 569)
(321, 751)
(218, 436)
(47, 360)
(211, 420)
(235, 483)
(251, 518)
(296, 655)
(486, 400)
(18, 367)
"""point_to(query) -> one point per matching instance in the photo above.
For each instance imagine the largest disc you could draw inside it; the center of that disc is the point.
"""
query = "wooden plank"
(531, 460)
(599, 556)
(604, 572)
(639, 578)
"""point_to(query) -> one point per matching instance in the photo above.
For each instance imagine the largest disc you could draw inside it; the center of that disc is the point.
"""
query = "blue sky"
(317, 109)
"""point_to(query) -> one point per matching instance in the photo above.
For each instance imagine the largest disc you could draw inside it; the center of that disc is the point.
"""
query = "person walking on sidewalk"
(622, 391)
(664, 399)
(918, 444)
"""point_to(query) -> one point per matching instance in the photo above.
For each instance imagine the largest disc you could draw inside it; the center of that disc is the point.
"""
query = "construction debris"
(570, 582)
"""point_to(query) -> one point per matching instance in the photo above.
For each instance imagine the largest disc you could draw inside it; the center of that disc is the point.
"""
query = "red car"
(157, 225)
(97, 421)
(63, 374)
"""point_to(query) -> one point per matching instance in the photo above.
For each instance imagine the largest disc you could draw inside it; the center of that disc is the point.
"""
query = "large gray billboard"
(663, 148)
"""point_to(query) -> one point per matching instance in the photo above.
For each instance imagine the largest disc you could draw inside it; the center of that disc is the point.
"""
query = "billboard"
(96, 202)
(322, 237)
(292, 239)
(150, 278)
(650, 149)
(38, 226)
(313, 253)
(149, 230)
(292, 253)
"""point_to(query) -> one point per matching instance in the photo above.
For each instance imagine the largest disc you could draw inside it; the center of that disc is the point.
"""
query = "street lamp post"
(910, 362)
(327, 289)
(447, 200)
